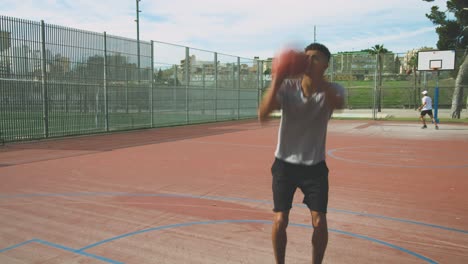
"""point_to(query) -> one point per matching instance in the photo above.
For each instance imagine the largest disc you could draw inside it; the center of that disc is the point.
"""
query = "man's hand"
(334, 98)
(269, 102)
(290, 63)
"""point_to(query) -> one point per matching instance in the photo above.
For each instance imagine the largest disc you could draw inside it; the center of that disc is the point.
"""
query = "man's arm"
(421, 107)
(269, 102)
(335, 98)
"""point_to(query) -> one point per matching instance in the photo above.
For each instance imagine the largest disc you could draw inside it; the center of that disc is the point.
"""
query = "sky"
(246, 28)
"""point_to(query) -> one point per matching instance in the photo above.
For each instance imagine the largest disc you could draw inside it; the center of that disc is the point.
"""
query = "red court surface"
(202, 194)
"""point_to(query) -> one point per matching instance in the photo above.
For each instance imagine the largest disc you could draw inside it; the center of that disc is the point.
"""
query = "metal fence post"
(204, 88)
(233, 88)
(259, 81)
(45, 99)
(238, 87)
(174, 96)
(187, 76)
(374, 101)
(152, 84)
(106, 97)
(126, 90)
(216, 84)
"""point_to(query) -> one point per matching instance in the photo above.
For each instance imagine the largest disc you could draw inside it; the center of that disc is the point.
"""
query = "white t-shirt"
(303, 127)
(426, 99)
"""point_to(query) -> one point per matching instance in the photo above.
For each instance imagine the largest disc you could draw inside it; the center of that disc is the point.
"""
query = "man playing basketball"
(426, 108)
(307, 104)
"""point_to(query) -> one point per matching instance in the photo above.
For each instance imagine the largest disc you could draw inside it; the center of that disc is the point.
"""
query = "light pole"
(315, 34)
(138, 37)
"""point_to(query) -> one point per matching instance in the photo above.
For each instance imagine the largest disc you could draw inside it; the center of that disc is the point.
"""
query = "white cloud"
(245, 27)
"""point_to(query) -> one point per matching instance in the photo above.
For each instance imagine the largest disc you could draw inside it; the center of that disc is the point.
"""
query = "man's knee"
(281, 220)
(319, 220)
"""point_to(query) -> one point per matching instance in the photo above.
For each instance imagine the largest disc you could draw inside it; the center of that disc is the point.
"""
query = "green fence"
(398, 85)
(57, 81)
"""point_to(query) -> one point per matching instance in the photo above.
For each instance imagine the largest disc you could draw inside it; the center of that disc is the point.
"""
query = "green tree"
(396, 65)
(453, 34)
(379, 51)
(412, 67)
(158, 77)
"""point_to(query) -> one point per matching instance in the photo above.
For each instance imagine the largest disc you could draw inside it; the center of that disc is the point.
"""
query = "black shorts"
(424, 112)
(311, 179)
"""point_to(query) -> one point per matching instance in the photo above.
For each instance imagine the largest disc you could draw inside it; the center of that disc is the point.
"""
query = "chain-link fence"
(396, 85)
(57, 81)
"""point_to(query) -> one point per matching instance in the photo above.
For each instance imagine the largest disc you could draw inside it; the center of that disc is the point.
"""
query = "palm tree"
(412, 66)
(379, 51)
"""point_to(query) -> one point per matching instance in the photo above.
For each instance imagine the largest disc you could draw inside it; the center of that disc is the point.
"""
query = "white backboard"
(441, 59)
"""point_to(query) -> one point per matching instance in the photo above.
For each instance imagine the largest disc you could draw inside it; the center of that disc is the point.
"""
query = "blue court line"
(331, 153)
(221, 198)
(426, 259)
(78, 252)
(17, 245)
(402, 220)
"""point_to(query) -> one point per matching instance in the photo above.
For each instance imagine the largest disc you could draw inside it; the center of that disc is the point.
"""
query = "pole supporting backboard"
(436, 95)
(436, 105)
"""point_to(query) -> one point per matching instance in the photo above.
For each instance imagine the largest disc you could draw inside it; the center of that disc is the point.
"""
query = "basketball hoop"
(436, 61)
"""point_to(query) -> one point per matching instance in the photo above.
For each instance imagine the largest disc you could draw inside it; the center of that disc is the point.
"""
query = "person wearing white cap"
(426, 108)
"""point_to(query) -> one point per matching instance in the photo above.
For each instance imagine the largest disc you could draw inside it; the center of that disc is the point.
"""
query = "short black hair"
(320, 47)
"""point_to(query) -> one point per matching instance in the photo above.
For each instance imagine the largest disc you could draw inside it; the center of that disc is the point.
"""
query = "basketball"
(290, 62)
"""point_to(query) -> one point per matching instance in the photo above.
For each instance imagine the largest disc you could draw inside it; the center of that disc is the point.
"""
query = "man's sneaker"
(423, 127)
(437, 127)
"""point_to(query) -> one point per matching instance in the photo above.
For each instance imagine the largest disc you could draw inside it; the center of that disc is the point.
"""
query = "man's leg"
(319, 237)
(423, 120)
(434, 121)
(279, 237)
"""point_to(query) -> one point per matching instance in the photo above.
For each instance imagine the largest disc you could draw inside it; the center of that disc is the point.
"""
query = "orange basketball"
(289, 63)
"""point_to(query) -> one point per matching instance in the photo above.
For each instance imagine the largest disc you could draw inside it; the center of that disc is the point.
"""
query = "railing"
(57, 81)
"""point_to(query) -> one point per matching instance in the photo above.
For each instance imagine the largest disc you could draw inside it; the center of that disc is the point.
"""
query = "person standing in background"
(426, 108)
